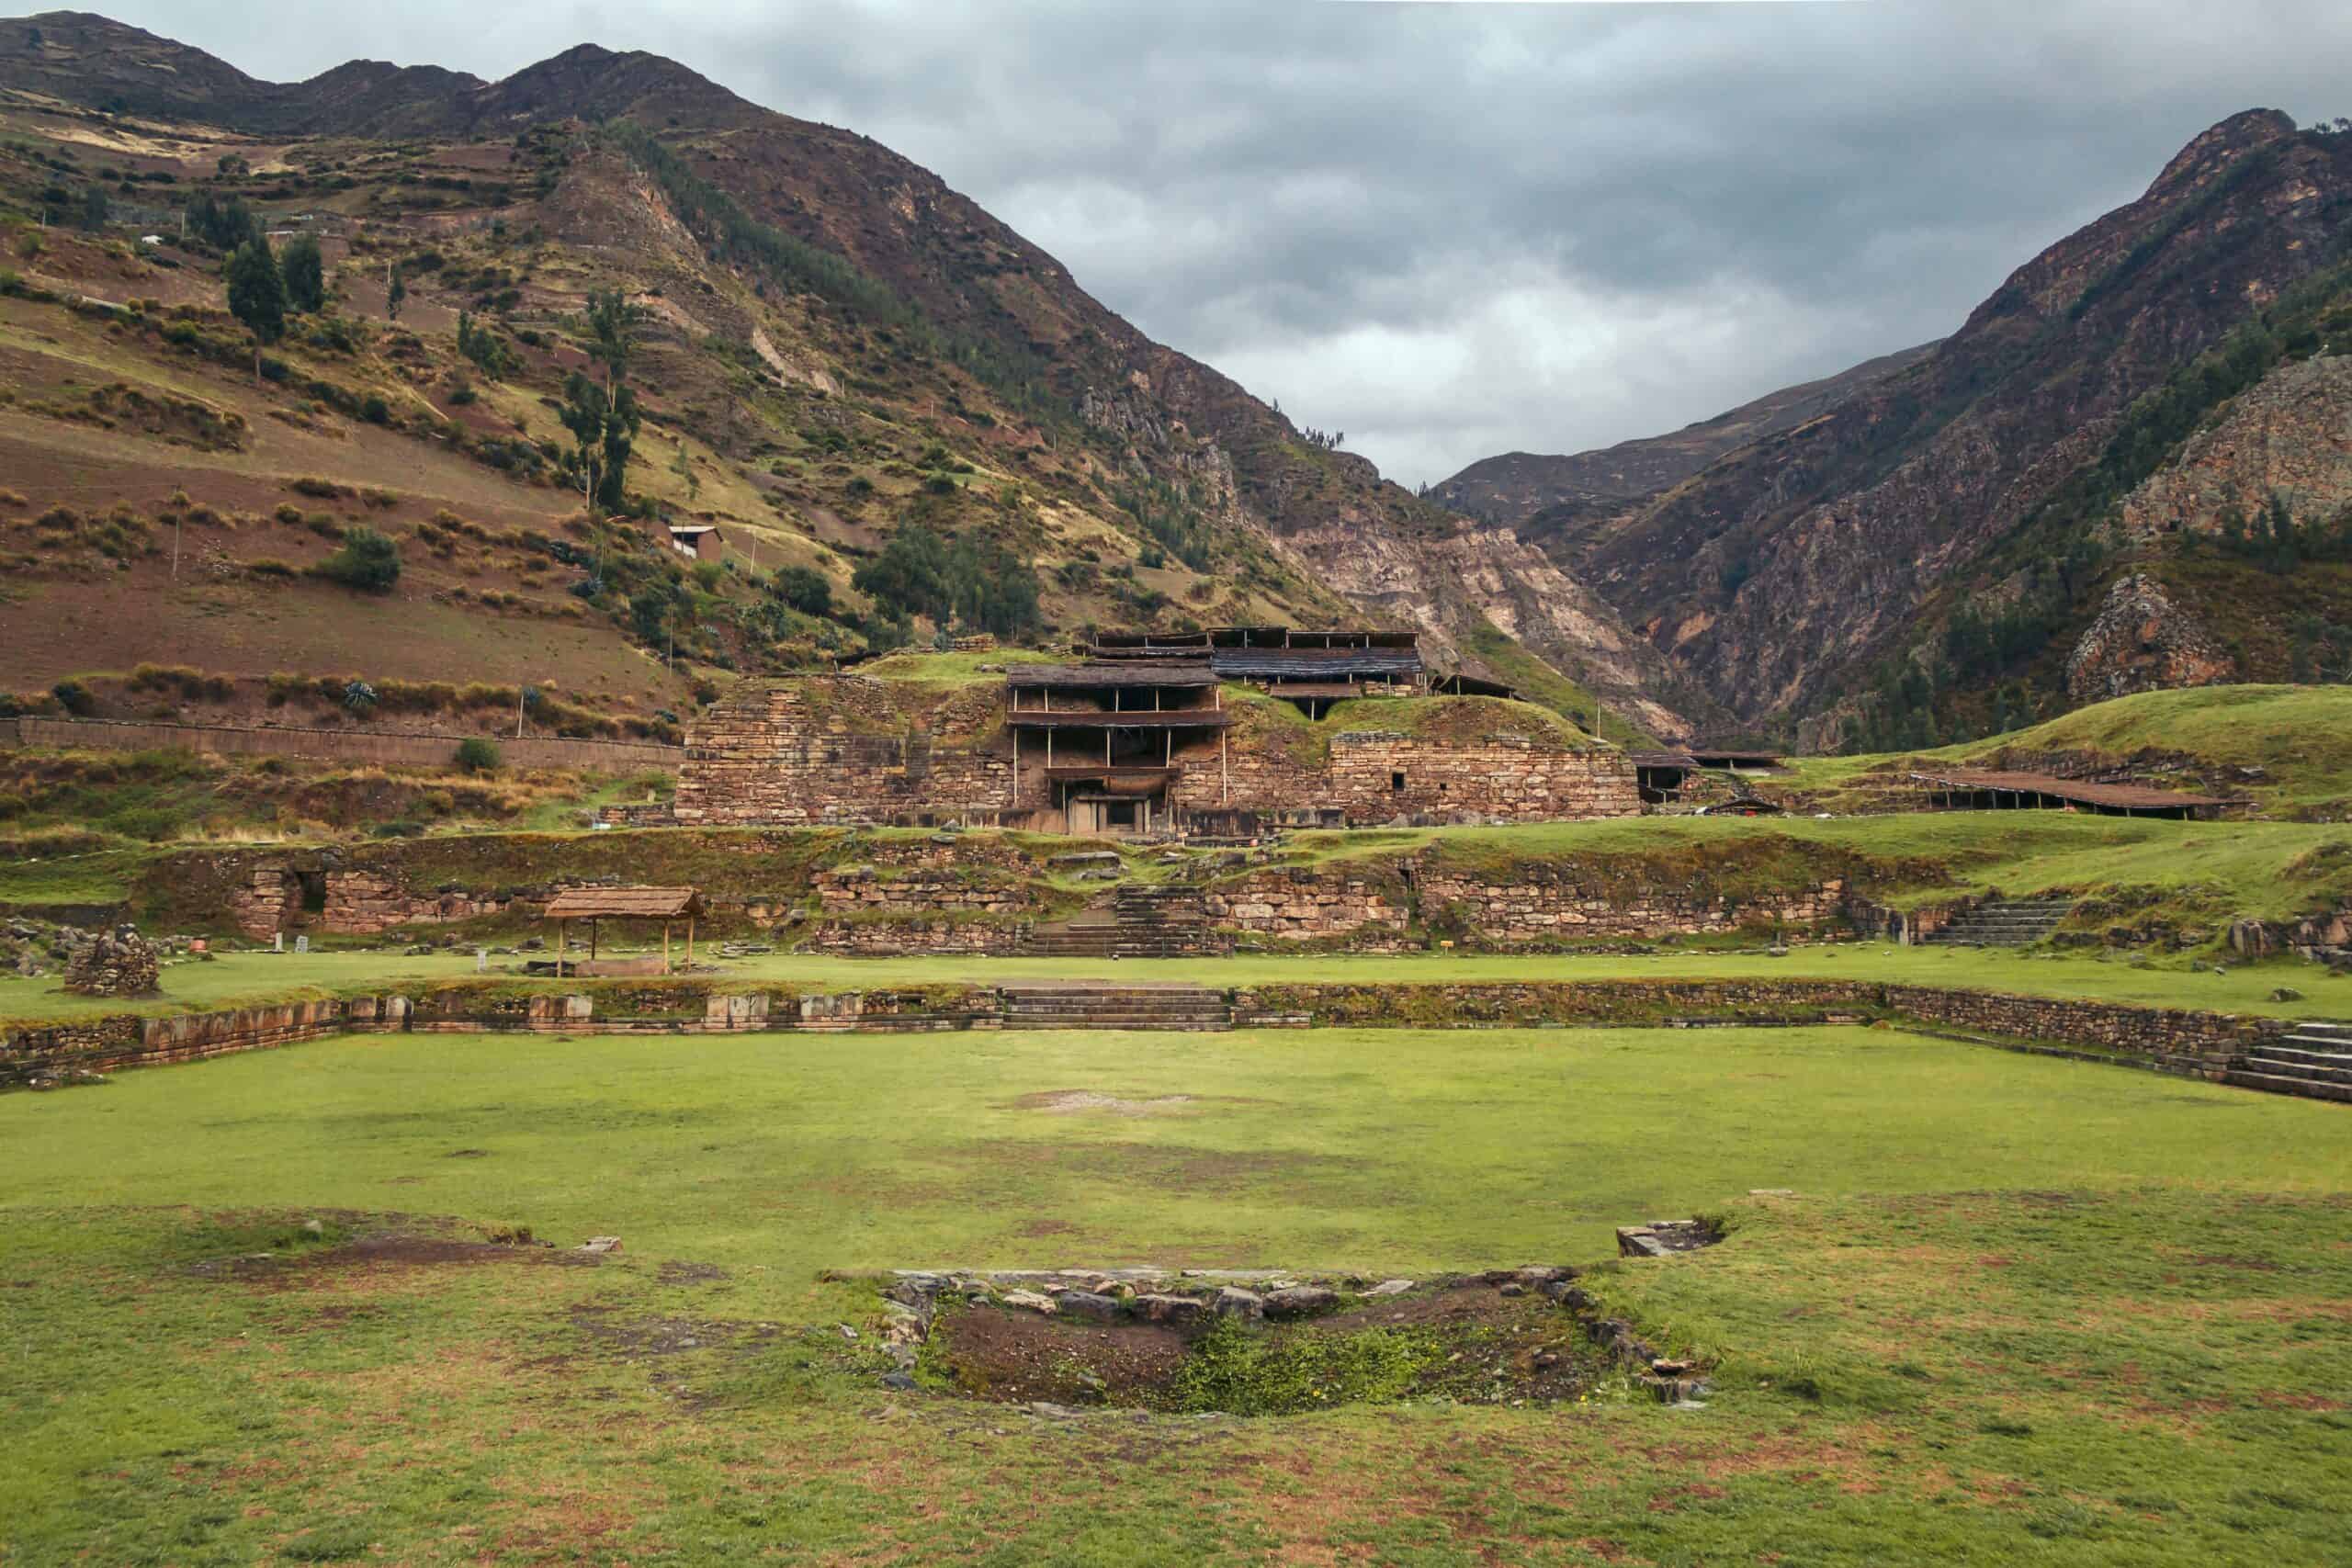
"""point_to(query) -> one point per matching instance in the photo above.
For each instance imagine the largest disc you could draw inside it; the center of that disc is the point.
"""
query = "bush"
(478, 755)
(375, 410)
(358, 697)
(75, 698)
(368, 561)
(804, 589)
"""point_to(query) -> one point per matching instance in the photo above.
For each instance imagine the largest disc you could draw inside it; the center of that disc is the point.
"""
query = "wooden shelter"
(1974, 789)
(596, 905)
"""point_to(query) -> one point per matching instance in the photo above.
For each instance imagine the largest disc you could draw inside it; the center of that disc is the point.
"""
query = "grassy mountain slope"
(836, 349)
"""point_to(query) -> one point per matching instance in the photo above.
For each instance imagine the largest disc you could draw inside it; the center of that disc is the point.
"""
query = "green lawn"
(2014, 1310)
(239, 979)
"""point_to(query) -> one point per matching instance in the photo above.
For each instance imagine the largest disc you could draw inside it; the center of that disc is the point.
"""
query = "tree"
(305, 272)
(477, 755)
(258, 296)
(603, 425)
(94, 211)
(684, 469)
(369, 561)
(612, 320)
(395, 290)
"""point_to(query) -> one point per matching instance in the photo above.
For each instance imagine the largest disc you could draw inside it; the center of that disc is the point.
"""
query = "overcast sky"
(1453, 230)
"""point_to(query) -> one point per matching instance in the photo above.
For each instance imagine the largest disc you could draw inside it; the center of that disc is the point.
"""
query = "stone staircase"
(1142, 921)
(2314, 1062)
(2003, 923)
(1117, 1007)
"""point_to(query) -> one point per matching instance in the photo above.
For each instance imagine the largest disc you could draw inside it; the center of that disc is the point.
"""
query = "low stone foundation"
(2198, 1044)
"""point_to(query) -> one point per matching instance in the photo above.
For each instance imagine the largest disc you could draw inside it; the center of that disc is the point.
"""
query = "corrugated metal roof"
(2138, 797)
(624, 903)
(1103, 677)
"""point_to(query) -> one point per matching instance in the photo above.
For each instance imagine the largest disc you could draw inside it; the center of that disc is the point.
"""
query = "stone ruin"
(117, 963)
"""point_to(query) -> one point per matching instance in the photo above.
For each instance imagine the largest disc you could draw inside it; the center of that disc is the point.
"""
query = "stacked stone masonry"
(2200, 1044)
(847, 750)
(1532, 904)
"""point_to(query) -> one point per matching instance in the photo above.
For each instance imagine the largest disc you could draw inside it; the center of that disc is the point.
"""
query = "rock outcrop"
(2144, 642)
(2288, 435)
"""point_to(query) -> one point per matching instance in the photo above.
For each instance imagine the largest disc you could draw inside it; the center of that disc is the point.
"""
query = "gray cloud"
(1455, 230)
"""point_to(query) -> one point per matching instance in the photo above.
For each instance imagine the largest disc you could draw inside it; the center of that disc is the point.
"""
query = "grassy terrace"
(2013, 1310)
(248, 979)
(2293, 742)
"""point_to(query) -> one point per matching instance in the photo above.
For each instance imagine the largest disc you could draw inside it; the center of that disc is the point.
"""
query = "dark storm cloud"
(1455, 230)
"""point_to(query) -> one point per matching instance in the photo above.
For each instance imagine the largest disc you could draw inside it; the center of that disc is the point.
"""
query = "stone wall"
(836, 749)
(852, 749)
(368, 903)
(1534, 902)
(268, 901)
(1492, 763)
(55, 1053)
(2194, 1043)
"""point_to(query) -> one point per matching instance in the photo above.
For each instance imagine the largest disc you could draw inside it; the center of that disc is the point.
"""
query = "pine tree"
(258, 296)
(395, 291)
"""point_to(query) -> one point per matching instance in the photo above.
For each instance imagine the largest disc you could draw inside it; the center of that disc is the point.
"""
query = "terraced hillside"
(900, 416)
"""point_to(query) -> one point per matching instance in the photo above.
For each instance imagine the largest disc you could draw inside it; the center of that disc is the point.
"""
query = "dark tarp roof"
(2131, 797)
(1102, 677)
(1126, 718)
(1314, 663)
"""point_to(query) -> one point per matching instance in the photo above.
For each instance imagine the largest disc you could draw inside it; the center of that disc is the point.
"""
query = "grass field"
(247, 979)
(2012, 1310)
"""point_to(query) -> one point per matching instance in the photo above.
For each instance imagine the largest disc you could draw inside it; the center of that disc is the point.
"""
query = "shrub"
(75, 698)
(287, 512)
(478, 755)
(368, 561)
(325, 490)
(358, 697)
(375, 410)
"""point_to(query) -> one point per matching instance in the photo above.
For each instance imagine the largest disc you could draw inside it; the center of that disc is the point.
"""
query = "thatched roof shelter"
(595, 905)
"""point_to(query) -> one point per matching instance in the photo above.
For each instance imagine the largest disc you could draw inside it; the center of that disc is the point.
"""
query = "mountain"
(1513, 487)
(838, 347)
(1933, 547)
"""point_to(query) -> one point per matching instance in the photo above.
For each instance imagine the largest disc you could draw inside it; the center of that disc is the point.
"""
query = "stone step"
(2338, 1032)
(2299, 1048)
(2277, 1084)
(2318, 1072)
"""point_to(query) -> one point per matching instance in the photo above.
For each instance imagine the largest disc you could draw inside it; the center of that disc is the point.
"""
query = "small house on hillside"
(698, 541)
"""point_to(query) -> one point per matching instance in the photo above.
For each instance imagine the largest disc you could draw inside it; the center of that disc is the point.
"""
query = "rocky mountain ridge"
(1514, 488)
(1777, 577)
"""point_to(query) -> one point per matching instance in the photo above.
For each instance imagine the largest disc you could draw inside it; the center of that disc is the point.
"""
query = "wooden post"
(665, 947)
(560, 927)
(1016, 765)
(592, 940)
(690, 941)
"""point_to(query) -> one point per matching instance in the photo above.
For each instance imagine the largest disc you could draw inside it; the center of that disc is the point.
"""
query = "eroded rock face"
(2144, 642)
(120, 962)
(2290, 436)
